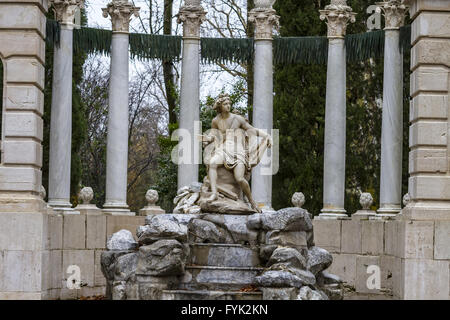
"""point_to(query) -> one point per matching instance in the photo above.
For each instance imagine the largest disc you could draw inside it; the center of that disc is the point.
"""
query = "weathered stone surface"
(118, 291)
(201, 231)
(327, 234)
(125, 266)
(265, 251)
(236, 225)
(223, 255)
(333, 291)
(108, 261)
(279, 293)
(325, 278)
(306, 293)
(283, 279)
(287, 238)
(224, 206)
(287, 219)
(288, 257)
(318, 259)
(164, 226)
(162, 258)
(121, 240)
(442, 240)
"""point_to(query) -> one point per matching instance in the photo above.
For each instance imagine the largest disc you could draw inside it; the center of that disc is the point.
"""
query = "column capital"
(120, 12)
(191, 15)
(65, 10)
(394, 13)
(265, 20)
(338, 14)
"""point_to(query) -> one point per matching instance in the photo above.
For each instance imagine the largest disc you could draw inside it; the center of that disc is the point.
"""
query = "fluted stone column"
(117, 141)
(265, 19)
(337, 16)
(392, 123)
(191, 15)
(61, 109)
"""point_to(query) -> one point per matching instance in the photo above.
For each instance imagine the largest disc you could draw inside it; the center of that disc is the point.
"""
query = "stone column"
(117, 140)
(392, 123)
(61, 110)
(265, 19)
(337, 16)
(191, 15)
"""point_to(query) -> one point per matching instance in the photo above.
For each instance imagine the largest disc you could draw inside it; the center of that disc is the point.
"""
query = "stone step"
(224, 255)
(218, 278)
(209, 295)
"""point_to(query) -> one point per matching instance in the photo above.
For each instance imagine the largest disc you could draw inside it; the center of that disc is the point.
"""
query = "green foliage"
(224, 50)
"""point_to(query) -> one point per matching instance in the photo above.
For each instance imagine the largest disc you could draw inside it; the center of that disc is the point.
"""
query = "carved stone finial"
(406, 199)
(264, 3)
(65, 10)
(86, 195)
(120, 12)
(298, 199)
(394, 13)
(366, 200)
(191, 15)
(338, 14)
(265, 20)
(152, 197)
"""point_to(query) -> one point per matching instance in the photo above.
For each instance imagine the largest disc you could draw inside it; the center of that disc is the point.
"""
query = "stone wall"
(79, 240)
(392, 245)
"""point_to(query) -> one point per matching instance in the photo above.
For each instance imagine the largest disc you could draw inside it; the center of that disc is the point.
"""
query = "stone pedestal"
(117, 141)
(392, 125)
(337, 15)
(265, 19)
(191, 16)
(61, 111)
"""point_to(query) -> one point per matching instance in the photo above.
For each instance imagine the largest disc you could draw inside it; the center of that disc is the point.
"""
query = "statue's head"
(223, 103)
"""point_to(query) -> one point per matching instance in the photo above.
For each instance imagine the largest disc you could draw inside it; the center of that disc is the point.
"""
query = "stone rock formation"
(210, 256)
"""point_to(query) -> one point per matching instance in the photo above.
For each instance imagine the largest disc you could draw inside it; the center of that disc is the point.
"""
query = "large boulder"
(125, 266)
(201, 231)
(108, 260)
(306, 293)
(287, 219)
(288, 258)
(121, 241)
(318, 260)
(163, 226)
(236, 225)
(287, 238)
(162, 258)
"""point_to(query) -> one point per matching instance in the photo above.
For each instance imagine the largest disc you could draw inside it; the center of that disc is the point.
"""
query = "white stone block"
(327, 234)
(426, 279)
(372, 236)
(84, 259)
(419, 6)
(23, 124)
(26, 16)
(99, 278)
(428, 133)
(24, 43)
(21, 271)
(429, 79)
(24, 98)
(20, 179)
(344, 265)
(27, 70)
(429, 187)
(362, 265)
(95, 232)
(442, 240)
(351, 236)
(432, 106)
(22, 231)
(416, 239)
(22, 152)
(74, 232)
(431, 51)
(431, 24)
(428, 160)
(55, 231)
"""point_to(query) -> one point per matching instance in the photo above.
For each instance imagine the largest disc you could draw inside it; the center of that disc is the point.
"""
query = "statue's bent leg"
(239, 175)
(215, 162)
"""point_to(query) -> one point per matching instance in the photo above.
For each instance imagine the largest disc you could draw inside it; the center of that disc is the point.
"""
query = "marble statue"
(232, 149)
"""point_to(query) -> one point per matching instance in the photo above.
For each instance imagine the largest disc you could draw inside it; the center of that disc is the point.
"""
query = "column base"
(117, 209)
(62, 207)
(389, 211)
(333, 214)
(89, 210)
(363, 214)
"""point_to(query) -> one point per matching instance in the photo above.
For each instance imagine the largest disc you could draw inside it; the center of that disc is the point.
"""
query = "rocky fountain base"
(268, 256)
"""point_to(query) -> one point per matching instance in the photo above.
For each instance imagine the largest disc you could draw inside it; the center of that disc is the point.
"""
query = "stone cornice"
(120, 12)
(265, 20)
(394, 13)
(337, 14)
(65, 10)
(191, 16)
